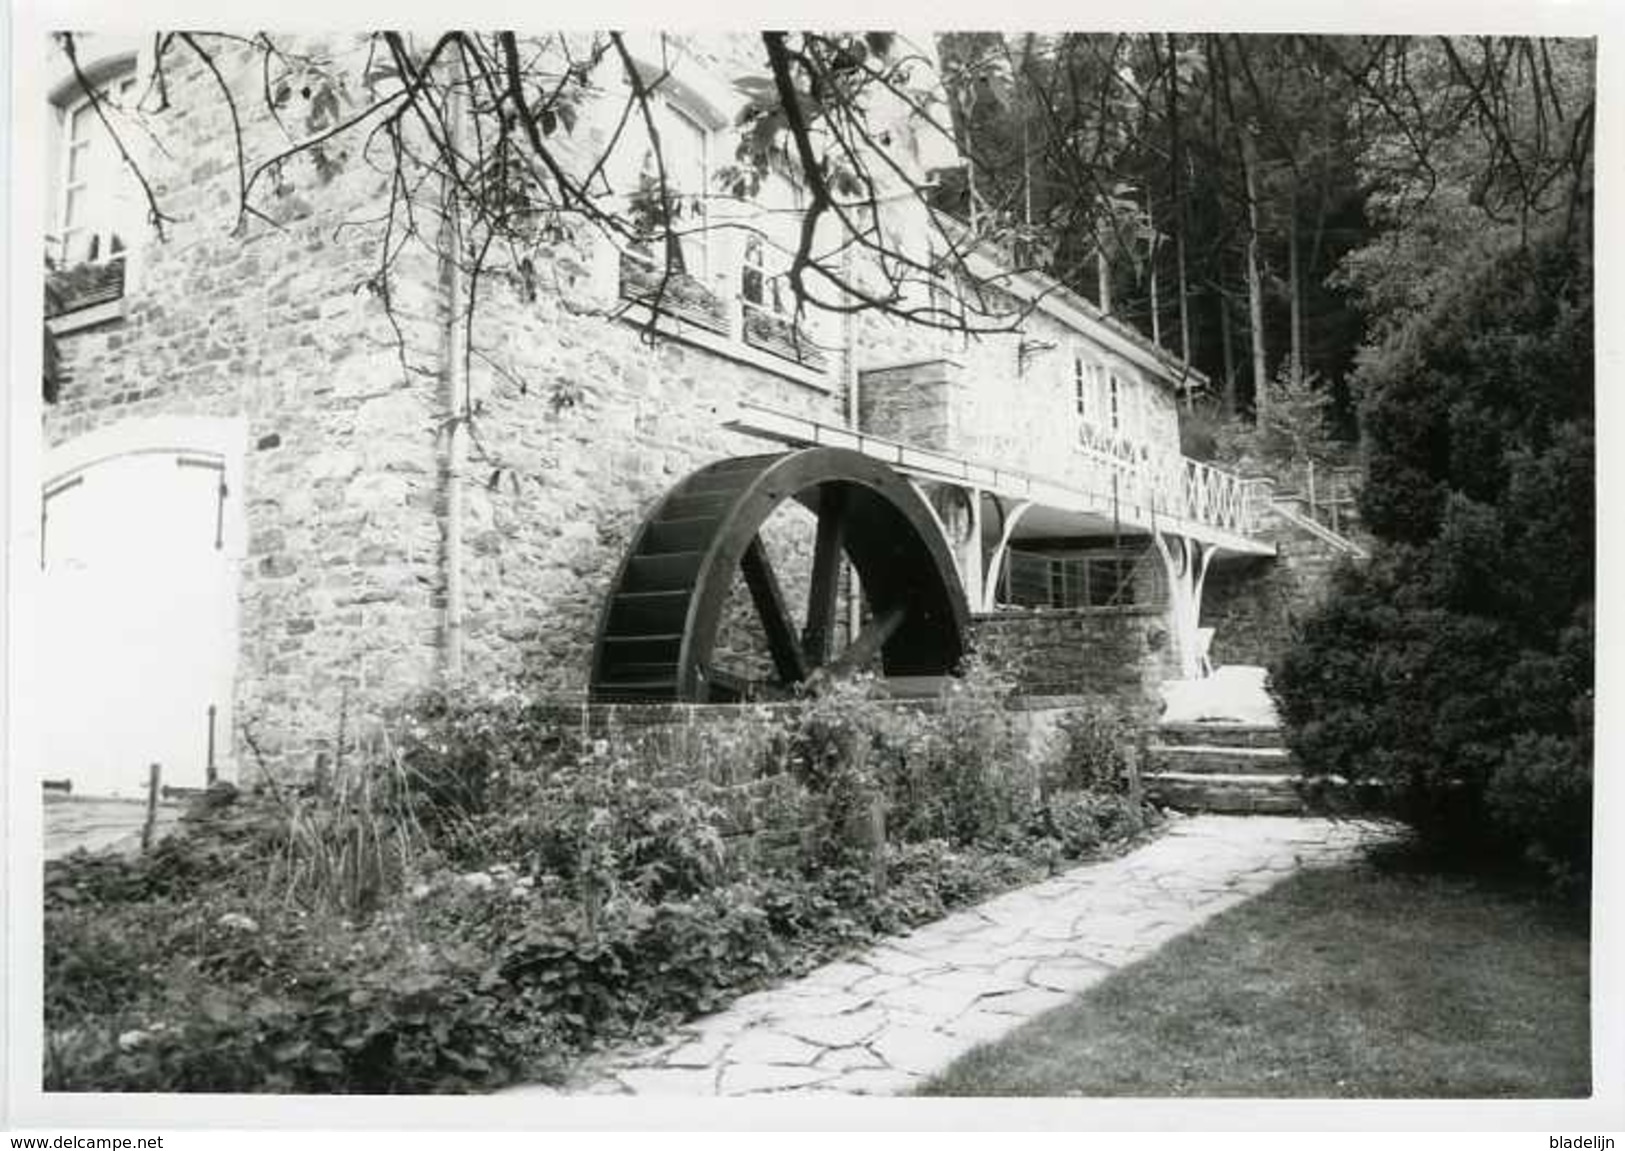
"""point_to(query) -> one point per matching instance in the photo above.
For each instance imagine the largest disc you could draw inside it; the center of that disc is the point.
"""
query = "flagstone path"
(882, 1021)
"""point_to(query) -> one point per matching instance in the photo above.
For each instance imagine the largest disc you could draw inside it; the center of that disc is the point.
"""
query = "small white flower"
(478, 880)
(420, 891)
(130, 1040)
(236, 921)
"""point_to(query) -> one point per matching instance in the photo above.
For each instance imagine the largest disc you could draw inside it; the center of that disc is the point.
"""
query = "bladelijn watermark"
(1582, 1143)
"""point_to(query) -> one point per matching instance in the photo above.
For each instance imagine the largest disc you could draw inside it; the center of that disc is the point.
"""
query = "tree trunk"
(1255, 287)
(1103, 279)
(1182, 214)
(1229, 354)
(1295, 287)
(1151, 264)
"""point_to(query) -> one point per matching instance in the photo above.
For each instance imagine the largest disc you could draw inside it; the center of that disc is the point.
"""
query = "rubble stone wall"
(1252, 604)
(1115, 655)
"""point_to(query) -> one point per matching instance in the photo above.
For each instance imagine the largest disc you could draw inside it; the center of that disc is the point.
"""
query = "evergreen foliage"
(1455, 669)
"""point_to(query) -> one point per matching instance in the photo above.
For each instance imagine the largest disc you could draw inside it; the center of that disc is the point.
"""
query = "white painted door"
(137, 634)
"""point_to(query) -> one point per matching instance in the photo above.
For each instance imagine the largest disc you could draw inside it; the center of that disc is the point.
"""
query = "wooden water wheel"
(659, 627)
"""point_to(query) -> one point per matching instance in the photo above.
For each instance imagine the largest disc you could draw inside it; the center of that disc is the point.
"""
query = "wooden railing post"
(147, 828)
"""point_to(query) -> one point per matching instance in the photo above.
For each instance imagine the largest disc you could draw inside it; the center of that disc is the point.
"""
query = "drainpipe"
(849, 360)
(456, 378)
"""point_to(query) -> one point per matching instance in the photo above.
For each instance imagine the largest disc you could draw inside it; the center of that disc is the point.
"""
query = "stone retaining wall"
(763, 809)
(1118, 656)
(1252, 603)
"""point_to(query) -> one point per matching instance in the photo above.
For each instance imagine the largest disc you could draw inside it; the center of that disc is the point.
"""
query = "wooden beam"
(868, 644)
(823, 602)
(768, 597)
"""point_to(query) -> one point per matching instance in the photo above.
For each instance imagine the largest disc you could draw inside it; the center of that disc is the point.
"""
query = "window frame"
(88, 293)
(1076, 580)
(690, 237)
(112, 86)
(712, 306)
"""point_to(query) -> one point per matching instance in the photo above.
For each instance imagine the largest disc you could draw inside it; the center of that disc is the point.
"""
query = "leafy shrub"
(585, 891)
(983, 782)
(956, 773)
(467, 754)
(1454, 670)
(1100, 750)
(1541, 793)
(1082, 822)
(601, 824)
(358, 1011)
(924, 880)
(843, 738)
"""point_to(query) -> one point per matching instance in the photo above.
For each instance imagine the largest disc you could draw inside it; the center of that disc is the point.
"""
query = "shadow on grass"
(1387, 980)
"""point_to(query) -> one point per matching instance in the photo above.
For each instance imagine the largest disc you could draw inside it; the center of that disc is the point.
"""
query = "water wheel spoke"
(870, 640)
(824, 599)
(779, 628)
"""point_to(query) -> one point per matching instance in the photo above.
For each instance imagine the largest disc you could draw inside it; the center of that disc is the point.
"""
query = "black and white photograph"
(813, 569)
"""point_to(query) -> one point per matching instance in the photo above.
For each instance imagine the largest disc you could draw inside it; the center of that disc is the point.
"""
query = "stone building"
(263, 519)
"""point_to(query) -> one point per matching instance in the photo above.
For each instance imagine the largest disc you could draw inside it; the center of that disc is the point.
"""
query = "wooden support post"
(153, 775)
(864, 824)
(876, 839)
(210, 773)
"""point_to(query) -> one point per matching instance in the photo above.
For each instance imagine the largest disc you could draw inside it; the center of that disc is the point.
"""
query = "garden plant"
(1450, 679)
(491, 891)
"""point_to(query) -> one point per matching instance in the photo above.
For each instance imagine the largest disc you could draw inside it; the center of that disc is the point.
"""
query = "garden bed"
(481, 898)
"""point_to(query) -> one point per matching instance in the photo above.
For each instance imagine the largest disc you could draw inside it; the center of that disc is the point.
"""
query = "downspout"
(849, 368)
(456, 383)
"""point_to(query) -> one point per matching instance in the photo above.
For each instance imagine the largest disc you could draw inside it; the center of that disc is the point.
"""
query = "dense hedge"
(1455, 669)
(482, 897)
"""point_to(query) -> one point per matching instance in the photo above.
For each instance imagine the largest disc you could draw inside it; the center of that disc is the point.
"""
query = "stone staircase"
(1237, 768)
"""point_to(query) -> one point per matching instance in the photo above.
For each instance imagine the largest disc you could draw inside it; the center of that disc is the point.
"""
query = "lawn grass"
(1352, 982)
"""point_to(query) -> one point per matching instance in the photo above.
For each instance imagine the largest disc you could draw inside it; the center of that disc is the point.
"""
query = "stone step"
(1249, 794)
(1220, 734)
(1204, 759)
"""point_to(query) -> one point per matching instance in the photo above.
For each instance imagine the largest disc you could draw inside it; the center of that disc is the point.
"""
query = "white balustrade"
(1167, 484)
